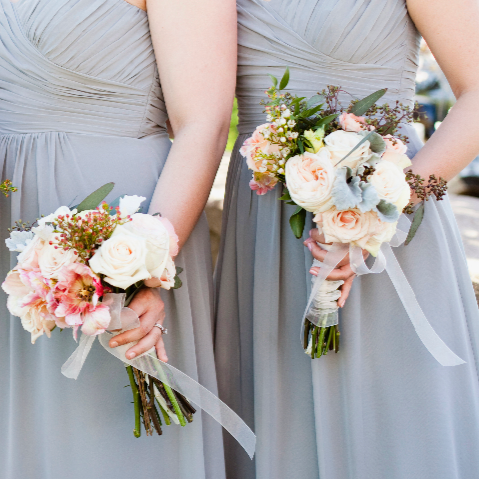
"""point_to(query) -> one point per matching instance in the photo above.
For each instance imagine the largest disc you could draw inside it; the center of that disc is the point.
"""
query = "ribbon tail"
(434, 344)
(191, 389)
(72, 367)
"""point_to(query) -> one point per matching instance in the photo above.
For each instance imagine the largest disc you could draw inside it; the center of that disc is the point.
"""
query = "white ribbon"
(386, 260)
(125, 319)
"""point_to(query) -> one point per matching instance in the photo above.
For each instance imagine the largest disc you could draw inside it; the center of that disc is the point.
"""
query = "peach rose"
(351, 122)
(310, 178)
(257, 143)
(390, 184)
(350, 226)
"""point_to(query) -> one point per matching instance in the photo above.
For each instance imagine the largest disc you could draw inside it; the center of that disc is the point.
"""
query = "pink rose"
(396, 152)
(257, 143)
(351, 122)
(350, 226)
(262, 183)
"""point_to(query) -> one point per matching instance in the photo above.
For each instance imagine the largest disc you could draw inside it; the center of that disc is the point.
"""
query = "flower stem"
(136, 402)
(330, 334)
(321, 341)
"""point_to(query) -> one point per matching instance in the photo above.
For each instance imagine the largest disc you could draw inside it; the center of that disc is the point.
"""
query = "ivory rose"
(351, 122)
(384, 234)
(51, 260)
(167, 279)
(350, 226)
(396, 152)
(340, 143)
(309, 178)
(122, 258)
(257, 143)
(390, 184)
(28, 258)
(158, 240)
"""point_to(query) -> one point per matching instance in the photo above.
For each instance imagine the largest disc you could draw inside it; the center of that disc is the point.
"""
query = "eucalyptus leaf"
(376, 142)
(362, 106)
(416, 222)
(274, 80)
(345, 195)
(178, 283)
(297, 222)
(285, 80)
(93, 200)
(315, 100)
(387, 212)
(325, 121)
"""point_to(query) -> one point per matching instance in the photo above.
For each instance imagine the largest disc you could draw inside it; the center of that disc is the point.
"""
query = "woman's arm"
(451, 29)
(195, 44)
(195, 48)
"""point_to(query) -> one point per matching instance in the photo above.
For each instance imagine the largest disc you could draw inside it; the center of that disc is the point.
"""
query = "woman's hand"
(150, 308)
(343, 270)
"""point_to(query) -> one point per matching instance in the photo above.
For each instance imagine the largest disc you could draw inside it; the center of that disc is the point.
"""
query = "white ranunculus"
(19, 240)
(129, 205)
(157, 241)
(310, 178)
(51, 260)
(122, 258)
(390, 184)
(340, 143)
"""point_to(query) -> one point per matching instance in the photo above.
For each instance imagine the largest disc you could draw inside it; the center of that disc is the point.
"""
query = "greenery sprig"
(6, 187)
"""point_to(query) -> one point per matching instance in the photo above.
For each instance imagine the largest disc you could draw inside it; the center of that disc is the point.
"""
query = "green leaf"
(362, 106)
(286, 196)
(416, 222)
(297, 222)
(325, 121)
(285, 80)
(178, 283)
(315, 100)
(92, 201)
(356, 147)
(310, 112)
(274, 80)
(301, 146)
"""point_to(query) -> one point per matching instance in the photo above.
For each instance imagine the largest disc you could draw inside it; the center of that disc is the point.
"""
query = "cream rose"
(340, 143)
(51, 260)
(350, 226)
(157, 237)
(310, 178)
(122, 258)
(396, 152)
(390, 184)
(384, 234)
(257, 143)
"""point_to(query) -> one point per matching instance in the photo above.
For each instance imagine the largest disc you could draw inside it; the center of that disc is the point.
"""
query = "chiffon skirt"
(54, 427)
(381, 408)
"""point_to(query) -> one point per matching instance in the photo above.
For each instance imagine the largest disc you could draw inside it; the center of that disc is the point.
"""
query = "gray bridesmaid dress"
(383, 407)
(81, 105)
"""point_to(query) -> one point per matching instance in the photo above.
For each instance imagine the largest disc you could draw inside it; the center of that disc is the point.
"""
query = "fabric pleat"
(382, 407)
(80, 106)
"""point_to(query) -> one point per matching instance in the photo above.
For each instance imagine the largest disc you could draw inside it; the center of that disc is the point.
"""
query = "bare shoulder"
(138, 3)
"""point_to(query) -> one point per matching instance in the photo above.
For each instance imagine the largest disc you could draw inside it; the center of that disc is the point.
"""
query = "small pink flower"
(78, 291)
(95, 321)
(262, 183)
(256, 144)
(351, 122)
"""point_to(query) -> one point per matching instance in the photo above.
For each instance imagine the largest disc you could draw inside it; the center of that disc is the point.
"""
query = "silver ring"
(161, 328)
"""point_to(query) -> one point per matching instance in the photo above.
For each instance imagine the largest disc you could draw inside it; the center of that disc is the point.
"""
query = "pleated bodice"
(360, 45)
(78, 66)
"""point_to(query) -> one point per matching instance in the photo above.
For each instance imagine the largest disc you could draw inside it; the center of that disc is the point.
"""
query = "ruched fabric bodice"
(360, 45)
(78, 66)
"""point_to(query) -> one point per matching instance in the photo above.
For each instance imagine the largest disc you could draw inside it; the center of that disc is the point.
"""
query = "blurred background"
(435, 98)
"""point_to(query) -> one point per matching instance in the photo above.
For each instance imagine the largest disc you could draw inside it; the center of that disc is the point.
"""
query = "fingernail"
(313, 272)
(131, 355)
(311, 232)
(113, 344)
(310, 246)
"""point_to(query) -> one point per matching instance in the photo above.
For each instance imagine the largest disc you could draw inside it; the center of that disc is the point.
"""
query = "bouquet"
(78, 268)
(345, 165)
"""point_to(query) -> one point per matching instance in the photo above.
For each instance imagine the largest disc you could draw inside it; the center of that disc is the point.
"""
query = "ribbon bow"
(124, 319)
(386, 260)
